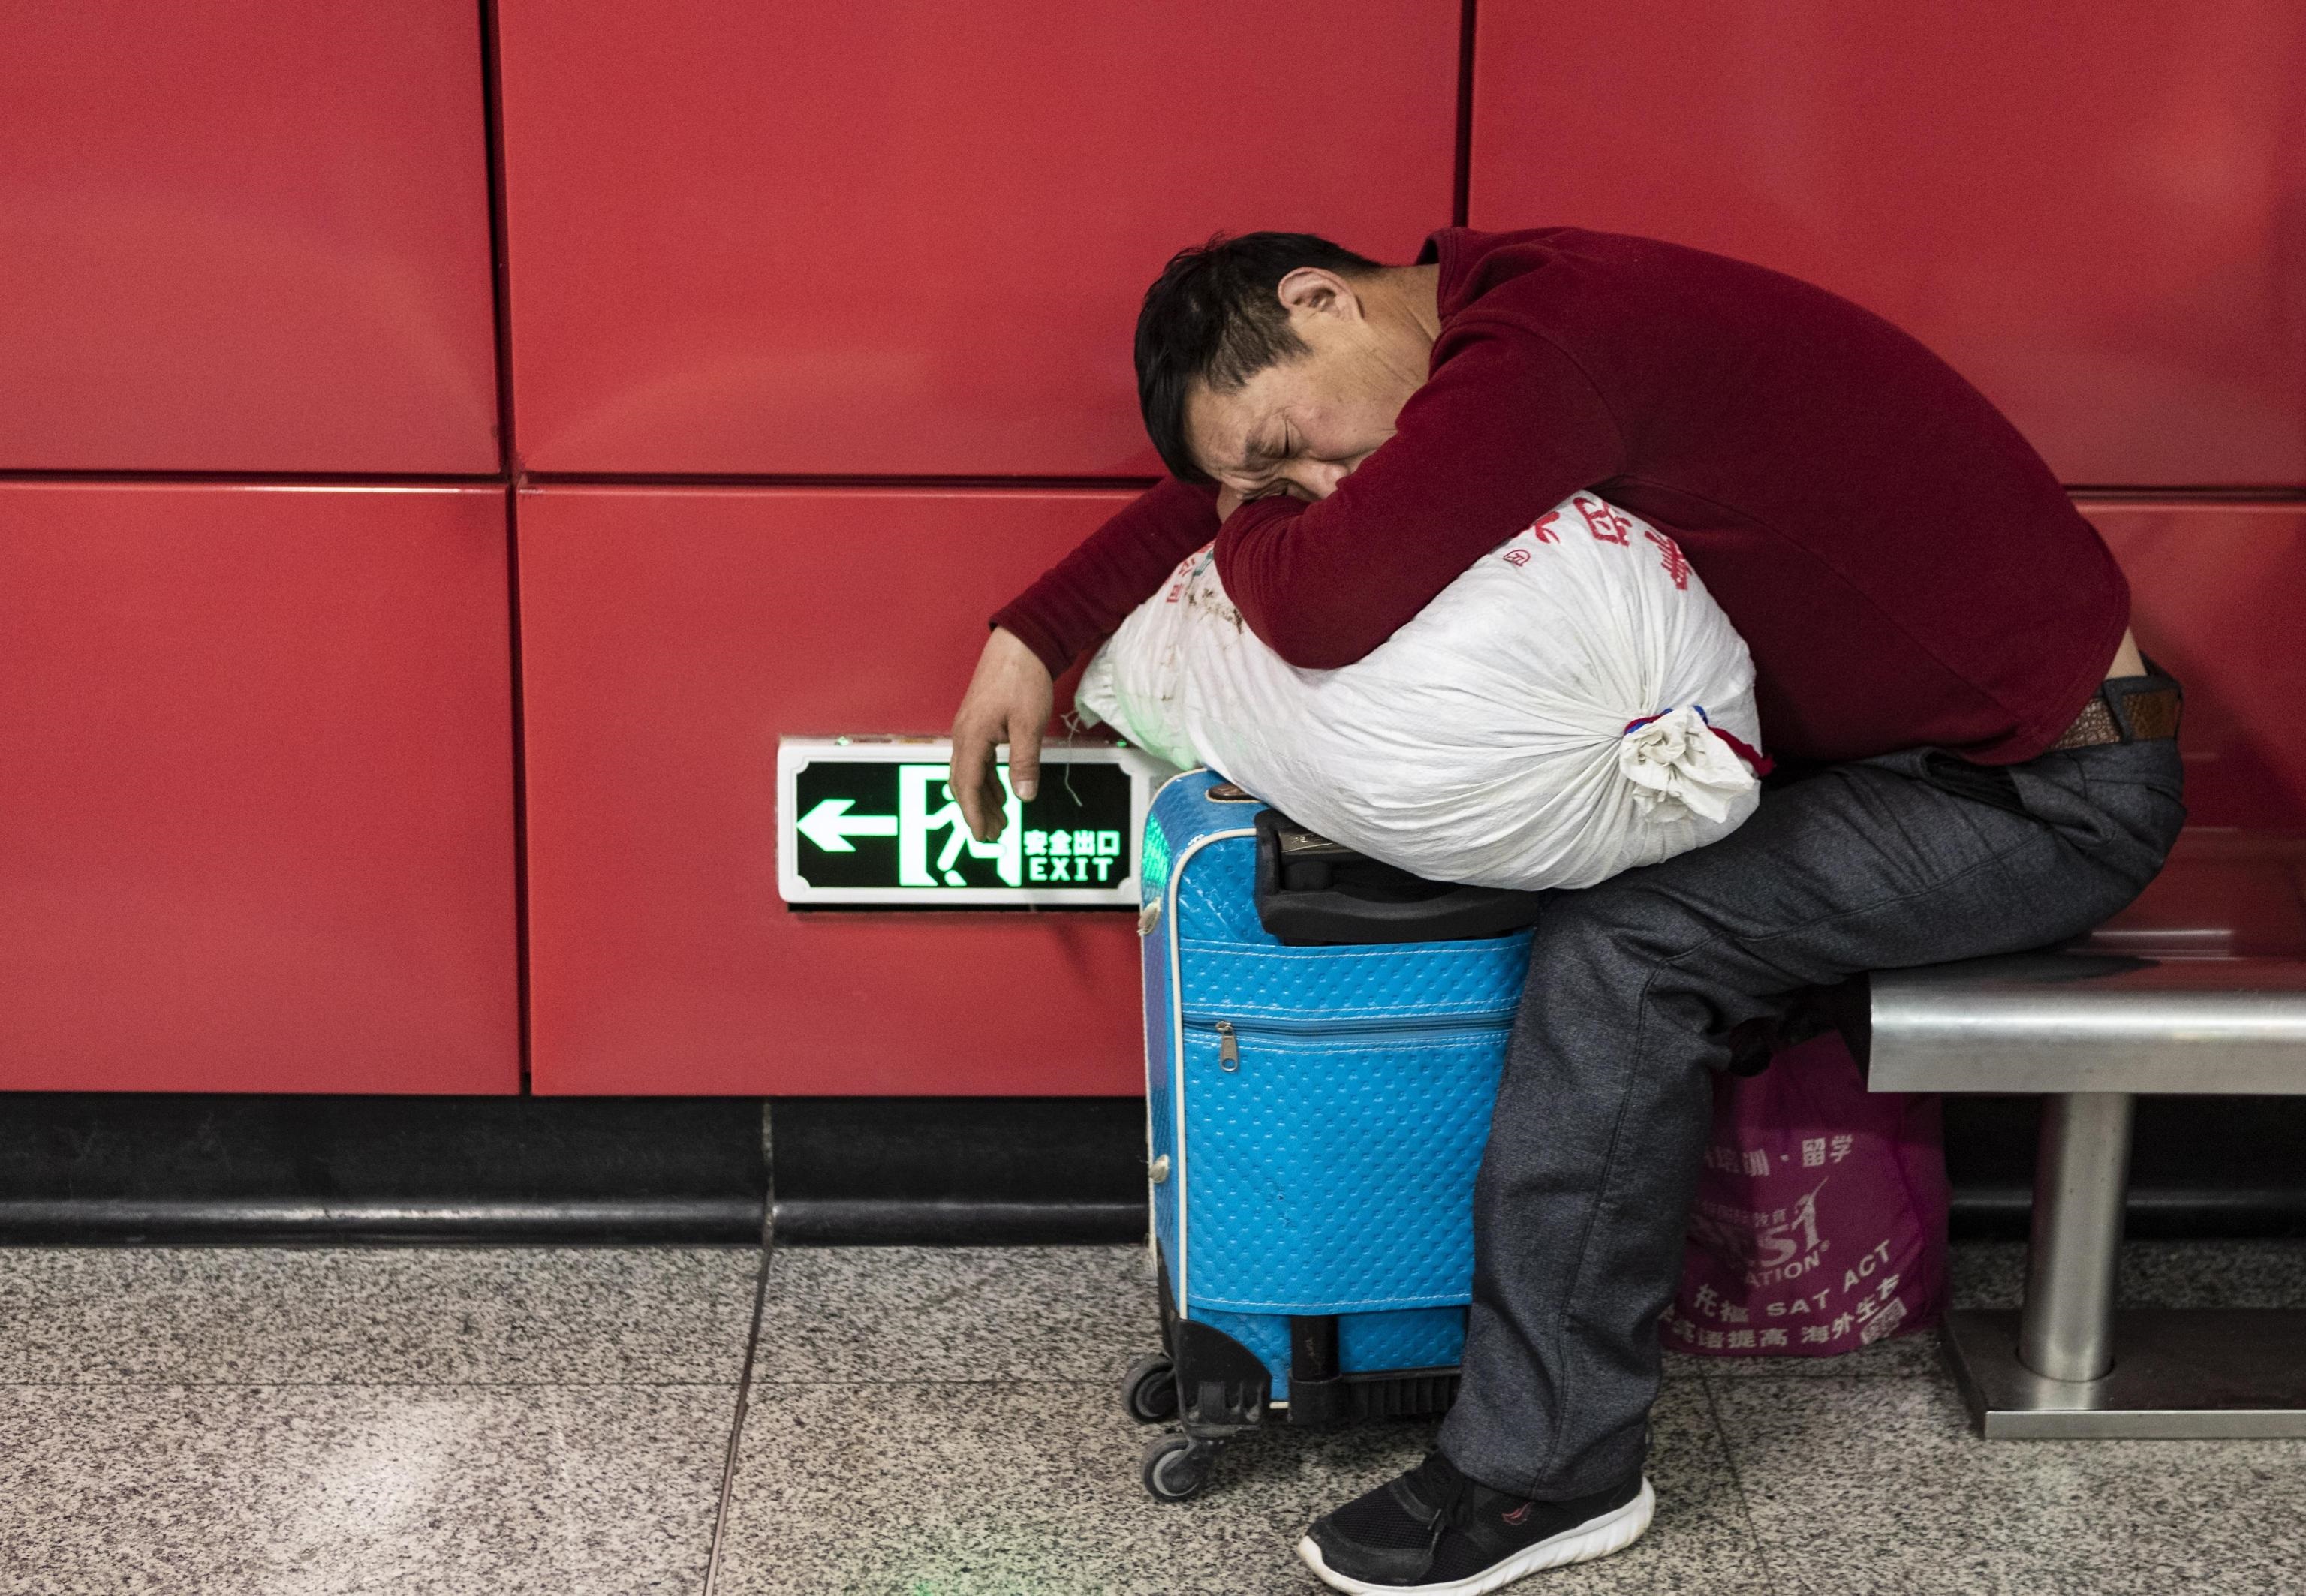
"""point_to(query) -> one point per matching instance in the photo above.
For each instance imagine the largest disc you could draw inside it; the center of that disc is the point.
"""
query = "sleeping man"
(1978, 761)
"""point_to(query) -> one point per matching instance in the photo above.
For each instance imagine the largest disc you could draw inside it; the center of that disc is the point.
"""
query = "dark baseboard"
(865, 1223)
(803, 1221)
(122, 1169)
(2152, 1213)
(256, 1222)
(182, 1168)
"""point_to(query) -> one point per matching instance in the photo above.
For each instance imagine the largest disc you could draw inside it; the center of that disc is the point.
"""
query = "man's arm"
(1091, 591)
(1040, 632)
(1506, 428)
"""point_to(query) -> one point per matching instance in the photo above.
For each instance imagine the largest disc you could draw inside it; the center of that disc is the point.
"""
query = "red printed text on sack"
(1677, 563)
(1606, 523)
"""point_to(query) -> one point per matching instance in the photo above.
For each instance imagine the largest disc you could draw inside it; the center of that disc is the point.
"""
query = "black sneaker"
(1436, 1532)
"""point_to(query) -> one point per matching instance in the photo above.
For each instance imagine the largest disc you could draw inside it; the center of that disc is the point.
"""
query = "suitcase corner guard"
(1223, 1388)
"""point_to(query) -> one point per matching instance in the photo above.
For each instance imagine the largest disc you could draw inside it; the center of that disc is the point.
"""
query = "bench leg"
(2048, 1372)
(2066, 1331)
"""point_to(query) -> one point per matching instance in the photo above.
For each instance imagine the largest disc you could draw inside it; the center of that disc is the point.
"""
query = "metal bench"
(2200, 987)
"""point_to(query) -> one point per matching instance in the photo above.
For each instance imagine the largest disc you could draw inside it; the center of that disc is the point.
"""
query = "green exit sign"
(873, 820)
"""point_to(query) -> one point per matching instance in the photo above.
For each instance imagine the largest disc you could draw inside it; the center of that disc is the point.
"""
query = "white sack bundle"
(1554, 716)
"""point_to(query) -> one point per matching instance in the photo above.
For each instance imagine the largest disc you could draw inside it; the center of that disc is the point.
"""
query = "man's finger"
(972, 760)
(1024, 758)
(992, 803)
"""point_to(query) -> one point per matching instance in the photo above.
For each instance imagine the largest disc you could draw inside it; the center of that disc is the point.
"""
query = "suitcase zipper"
(1228, 1034)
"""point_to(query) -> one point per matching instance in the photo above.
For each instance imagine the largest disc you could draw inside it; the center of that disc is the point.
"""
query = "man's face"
(1302, 425)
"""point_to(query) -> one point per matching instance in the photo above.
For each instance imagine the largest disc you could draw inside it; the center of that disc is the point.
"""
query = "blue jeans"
(1606, 1102)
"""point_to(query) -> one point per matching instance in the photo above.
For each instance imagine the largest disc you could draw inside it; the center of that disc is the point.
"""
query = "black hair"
(1215, 315)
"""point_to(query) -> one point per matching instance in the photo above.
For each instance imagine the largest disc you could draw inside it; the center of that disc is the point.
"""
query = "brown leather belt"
(2140, 716)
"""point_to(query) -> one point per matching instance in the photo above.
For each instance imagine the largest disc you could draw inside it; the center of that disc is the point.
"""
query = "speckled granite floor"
(944, 1423)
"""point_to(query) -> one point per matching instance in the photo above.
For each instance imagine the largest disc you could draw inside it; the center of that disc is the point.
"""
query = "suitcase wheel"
(1175, 1467)
(1149, 1390)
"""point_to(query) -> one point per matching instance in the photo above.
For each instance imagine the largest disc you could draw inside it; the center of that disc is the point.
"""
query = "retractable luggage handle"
(1313, 892)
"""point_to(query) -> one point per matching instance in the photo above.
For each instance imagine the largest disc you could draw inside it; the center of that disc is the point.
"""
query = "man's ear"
(1309, 291)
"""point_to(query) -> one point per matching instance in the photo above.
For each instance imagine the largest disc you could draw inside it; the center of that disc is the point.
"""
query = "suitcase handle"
(1313, 892)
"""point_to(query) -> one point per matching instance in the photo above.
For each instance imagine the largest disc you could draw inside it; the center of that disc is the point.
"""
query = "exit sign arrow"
(830, 825)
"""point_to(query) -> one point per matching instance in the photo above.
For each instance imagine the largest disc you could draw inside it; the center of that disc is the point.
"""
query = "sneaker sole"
(1614, 1530)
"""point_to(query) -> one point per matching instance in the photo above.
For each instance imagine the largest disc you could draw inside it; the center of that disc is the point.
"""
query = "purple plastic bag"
(1820, 1224)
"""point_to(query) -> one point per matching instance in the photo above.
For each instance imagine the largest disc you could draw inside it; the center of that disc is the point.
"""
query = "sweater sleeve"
(1091, 591)
(1507, 426)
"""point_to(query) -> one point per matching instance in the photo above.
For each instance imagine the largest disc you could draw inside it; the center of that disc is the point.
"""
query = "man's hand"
(1009, 700)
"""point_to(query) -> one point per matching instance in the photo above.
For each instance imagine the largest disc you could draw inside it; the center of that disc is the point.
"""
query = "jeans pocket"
(2137, 812)
(1989, 784)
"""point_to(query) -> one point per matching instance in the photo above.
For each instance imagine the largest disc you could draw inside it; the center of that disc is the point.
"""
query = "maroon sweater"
(1903, 566)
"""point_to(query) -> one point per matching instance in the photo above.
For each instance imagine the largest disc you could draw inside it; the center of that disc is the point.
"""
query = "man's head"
(1276, 361)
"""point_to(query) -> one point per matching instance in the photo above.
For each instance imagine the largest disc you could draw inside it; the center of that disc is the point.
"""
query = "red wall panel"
(908, 237)
(256, 815)
(2098, 215)
(669, 637)
(2214, 589)
(243, 235)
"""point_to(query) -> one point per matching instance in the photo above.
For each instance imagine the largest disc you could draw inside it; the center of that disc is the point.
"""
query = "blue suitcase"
(1316, 1114)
